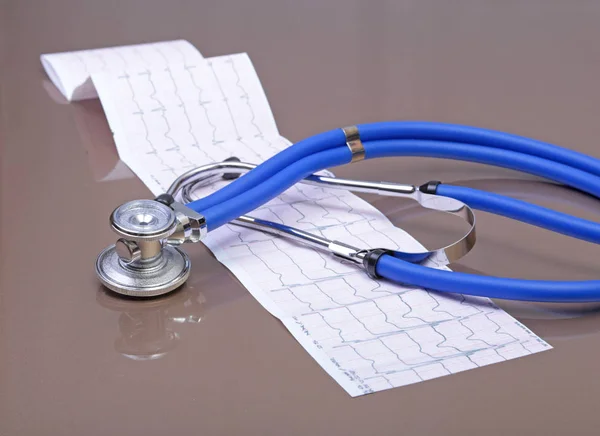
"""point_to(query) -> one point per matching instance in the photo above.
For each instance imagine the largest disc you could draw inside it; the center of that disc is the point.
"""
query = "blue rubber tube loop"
(280, 161)
(253, 198)
(282, 180)
(401, 130)
(485, 286)
(244, 203)
(525, 212)
(476, 135)
(501, 158)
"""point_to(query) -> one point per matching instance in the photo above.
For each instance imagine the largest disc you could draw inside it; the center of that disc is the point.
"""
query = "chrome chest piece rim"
(146, 220)
(156, 277)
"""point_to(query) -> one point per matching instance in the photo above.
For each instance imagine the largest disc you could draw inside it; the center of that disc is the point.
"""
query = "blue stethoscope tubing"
(437, 140)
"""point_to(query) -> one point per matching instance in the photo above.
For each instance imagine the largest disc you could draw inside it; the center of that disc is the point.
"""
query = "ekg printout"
(71, 72)
(368, 335)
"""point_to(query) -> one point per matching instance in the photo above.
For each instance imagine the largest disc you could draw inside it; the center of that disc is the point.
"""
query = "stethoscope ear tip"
(231, 176)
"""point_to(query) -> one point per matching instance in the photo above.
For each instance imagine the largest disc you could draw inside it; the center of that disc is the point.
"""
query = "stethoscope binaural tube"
(424, 131)
(265, 191)
(443, 141)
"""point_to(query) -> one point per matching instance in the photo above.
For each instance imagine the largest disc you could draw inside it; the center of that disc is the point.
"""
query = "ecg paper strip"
(71, 71)
(368, 335)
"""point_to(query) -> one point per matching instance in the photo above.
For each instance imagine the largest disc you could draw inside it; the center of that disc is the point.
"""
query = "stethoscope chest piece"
(140, 264)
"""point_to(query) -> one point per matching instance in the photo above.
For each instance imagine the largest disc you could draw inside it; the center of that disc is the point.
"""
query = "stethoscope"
(147, 261)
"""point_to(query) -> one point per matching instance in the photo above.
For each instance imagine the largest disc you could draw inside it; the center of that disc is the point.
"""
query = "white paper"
(368, 335)
(71, 71)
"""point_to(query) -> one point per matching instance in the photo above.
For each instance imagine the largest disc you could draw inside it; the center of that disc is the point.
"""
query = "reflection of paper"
(368, 335)
(97, 139)
(71, 71)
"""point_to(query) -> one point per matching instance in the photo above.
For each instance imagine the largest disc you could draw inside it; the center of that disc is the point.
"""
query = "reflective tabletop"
(208, 359)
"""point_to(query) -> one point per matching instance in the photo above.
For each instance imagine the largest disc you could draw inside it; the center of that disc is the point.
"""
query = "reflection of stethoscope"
(146, 262)
(148, 329)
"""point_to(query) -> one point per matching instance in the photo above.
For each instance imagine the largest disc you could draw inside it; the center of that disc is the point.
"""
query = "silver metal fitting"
(354, 143)
(191, 226)
(128, 251)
